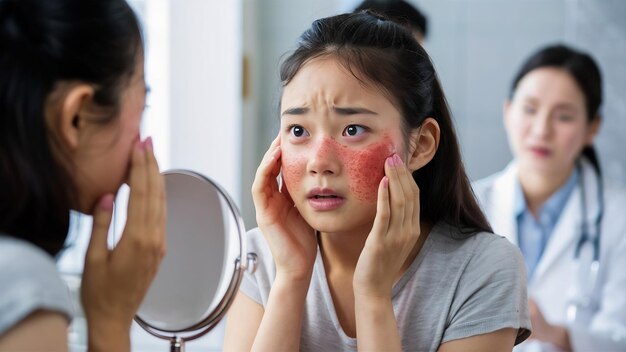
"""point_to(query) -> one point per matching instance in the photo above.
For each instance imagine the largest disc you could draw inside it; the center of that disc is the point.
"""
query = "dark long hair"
(44, 43)
(387, 55)
(585, 72)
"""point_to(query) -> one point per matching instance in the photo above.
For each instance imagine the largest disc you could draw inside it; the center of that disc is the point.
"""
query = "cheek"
(366, 168)
(293, 168)
(572, 141)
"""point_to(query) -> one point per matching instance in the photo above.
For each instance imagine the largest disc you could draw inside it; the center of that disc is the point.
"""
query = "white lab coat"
(603, 326)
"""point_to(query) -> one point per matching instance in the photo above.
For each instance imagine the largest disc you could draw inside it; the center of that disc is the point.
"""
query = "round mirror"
(201, 271)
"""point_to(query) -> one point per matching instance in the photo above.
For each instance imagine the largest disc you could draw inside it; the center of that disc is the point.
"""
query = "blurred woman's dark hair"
(583, 69)
(43, 44)
(380, 52)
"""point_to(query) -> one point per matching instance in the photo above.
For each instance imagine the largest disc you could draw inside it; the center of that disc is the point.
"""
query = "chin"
(336, 222)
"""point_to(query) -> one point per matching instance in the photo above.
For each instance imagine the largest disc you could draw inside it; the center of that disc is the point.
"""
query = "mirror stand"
(177, 343)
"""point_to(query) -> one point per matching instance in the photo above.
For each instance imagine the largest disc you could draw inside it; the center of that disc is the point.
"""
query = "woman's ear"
(423, 144)
(505, 113)
(72, 107)
(594, 127)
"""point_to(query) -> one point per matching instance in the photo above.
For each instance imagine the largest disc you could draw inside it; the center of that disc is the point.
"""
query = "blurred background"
(213, 71)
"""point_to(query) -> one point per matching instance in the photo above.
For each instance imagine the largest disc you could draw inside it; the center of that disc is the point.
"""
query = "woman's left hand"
(394, 234)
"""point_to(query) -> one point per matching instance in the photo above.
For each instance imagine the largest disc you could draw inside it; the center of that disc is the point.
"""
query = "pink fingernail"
(390, 161)
(148, 143)
(398, 159)
(106, 202)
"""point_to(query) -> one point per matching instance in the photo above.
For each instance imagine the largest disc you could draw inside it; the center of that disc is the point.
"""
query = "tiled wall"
(477, 45)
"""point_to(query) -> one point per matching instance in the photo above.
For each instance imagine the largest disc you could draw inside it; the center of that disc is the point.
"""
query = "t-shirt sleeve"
(29, 281)
(491, 294)
(257, 285)
(250, 287)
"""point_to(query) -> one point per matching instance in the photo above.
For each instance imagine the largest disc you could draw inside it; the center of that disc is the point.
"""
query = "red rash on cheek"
(293, 168)
(366, 167)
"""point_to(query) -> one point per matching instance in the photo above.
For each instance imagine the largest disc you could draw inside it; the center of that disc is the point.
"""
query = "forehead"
(325, 78)
(550, 84)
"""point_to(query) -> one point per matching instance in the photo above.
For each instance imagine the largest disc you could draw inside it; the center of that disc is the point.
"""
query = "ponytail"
(589, 152)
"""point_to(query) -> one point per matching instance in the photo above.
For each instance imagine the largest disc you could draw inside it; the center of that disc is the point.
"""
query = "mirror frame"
(207, 324)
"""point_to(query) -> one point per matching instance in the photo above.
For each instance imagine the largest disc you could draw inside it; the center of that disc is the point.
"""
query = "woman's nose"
(542, 125)
(324, 157)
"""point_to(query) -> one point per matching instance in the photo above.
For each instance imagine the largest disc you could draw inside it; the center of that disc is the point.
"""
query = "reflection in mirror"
(202, 269)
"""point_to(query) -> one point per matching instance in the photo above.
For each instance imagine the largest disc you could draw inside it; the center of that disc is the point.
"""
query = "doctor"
(551, 201)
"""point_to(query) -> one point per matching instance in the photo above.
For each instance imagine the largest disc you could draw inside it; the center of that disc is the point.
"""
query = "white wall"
(205, 89)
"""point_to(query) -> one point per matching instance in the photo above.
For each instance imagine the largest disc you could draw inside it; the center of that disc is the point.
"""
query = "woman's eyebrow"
(295, 111)
(338, 110)
(353, 111)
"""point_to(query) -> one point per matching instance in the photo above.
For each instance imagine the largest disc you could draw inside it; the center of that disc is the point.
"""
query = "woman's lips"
(540, 152)
(325, 203)
(323, 199)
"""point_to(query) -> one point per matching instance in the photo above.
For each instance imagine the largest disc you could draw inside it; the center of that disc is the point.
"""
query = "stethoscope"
(586, 253)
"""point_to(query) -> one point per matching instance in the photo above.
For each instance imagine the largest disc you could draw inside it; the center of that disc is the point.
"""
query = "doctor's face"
(546, 122)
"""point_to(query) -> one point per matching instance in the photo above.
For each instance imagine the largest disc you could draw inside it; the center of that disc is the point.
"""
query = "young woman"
(552, 202)
(374, 240)
(72, 93)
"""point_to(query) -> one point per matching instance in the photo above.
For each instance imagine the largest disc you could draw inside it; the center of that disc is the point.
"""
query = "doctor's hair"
(384, 54)
(46, 46)
(585, 72)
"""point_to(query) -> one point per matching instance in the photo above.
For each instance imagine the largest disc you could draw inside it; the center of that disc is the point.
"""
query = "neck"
(341, 251)
(538, 188)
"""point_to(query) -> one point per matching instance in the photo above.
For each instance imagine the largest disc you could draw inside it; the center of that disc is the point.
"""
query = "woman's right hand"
(292, 241)
(115, 281)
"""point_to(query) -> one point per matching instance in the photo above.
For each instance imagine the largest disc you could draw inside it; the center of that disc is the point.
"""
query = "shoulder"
(481, 253)
(484, 186)
(29, 281)
(496, 252)
(484, 246)
(489, 286)
(614, 221)
(615, 195)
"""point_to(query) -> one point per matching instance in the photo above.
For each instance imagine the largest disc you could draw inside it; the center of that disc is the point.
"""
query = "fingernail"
(385, 181)
(390, 161)
(106, 202)
(397, 159)
(148, 143)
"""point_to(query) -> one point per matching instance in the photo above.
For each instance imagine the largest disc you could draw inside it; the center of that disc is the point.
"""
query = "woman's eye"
(298, 131)
(353, 130)
(529, 110)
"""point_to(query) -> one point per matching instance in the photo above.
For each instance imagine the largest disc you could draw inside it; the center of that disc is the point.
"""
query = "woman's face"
(546, 122)
(336, 133)
(102, 160)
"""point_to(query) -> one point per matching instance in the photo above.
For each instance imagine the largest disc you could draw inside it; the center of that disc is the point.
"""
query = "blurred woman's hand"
(115, 281)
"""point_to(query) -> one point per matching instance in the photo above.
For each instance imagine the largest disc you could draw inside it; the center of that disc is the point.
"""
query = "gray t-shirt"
(29, 281)
(455, 288)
